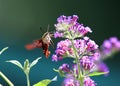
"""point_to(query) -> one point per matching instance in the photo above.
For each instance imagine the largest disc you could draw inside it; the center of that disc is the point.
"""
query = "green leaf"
(1, 85)
(54, 79)
(15, 62)
(34, 62)
(45, 82)
(3, 50)
(97, 73)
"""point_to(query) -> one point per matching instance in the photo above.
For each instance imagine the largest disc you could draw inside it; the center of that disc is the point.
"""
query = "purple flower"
(107, 47)
(78, 30)
(68, 20)
(74, 19)
(64, 48)
(64, 67)
(91, 45)
(111, 45)
(102, 67)
(58, 34)
(68, 27)
(118, 45)
(107, 44)
(83, 47)
(54, 58)
(115, 42)
(64, 23)
(96, 56)
(89, 82)
(71, 82)
(87, 63)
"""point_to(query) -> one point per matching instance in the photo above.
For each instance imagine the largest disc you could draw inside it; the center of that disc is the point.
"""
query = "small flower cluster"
(71, 82)
(110, 46)
(71, 76)
(83, 46)
(64, 68)
(81, 49)
(102, 67)
(70, 25)
(87, 63)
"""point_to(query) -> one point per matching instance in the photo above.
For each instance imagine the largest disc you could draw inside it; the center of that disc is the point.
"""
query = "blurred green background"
(19, 24)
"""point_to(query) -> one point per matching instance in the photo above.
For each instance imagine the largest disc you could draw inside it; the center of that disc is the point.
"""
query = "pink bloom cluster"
(110, 46)
(70, 81)
(82, 49)
(64, 68)
(102, 67)
(83, 46)
(87, 63)
(70, 25)
(89, 82)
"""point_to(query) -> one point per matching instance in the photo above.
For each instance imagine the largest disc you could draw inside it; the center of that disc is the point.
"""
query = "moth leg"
(51, 43)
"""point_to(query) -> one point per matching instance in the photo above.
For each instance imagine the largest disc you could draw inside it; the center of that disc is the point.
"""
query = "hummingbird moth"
(44, 42)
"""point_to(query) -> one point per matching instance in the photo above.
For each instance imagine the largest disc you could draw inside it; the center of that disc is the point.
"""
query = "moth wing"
(35, 44)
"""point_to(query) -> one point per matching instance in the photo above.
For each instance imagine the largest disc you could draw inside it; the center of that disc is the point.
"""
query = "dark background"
(19, 24)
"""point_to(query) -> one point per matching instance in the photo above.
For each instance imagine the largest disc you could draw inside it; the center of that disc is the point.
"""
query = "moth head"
(47, 33)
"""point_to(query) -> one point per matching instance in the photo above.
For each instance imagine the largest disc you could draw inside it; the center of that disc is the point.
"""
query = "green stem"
(28, 79)
(77, 59)
(6, 79)
(80, 76)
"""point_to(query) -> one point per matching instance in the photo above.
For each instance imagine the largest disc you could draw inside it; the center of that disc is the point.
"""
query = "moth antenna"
(48, 28)
(52, 43)
(41, 29)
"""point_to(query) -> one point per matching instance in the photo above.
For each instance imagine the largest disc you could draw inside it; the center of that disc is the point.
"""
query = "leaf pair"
(27, 66)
